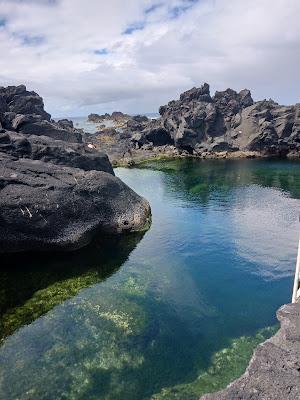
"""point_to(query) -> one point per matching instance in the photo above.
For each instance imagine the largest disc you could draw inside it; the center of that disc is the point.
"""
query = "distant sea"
(91, 127)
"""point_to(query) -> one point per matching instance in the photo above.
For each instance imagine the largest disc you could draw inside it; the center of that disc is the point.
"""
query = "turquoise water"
(169, 315)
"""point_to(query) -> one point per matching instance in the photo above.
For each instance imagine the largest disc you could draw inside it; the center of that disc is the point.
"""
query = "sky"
(87, 56)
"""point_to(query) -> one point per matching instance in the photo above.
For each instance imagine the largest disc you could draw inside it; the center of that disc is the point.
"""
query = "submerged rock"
(274, 370)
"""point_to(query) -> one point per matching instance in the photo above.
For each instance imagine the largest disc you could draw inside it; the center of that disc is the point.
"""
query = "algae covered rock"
(274, 370)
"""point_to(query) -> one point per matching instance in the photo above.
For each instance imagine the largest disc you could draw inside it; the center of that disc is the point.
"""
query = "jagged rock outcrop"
(23, 111)
(115, 116)
(228, 121)
(274, 370)
(58, 152)
(137, 122)
(17, 100)
(51, 129)
(97, 117)
(56, 191)
(118, 115)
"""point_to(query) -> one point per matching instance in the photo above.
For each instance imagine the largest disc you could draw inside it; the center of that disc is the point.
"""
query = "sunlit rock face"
(56, 192)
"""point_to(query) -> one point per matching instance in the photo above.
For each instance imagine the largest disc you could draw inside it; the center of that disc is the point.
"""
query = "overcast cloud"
(134, 55)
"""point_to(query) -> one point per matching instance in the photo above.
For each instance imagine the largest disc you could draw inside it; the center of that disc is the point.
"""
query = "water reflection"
(200, 178)
(261, 199)
(266, 228)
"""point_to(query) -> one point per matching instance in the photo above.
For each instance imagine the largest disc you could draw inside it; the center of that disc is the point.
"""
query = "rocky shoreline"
(274, 370)
(56, 191)
(227, 125)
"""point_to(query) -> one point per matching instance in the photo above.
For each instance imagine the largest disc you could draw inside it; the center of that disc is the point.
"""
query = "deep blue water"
(198, 287)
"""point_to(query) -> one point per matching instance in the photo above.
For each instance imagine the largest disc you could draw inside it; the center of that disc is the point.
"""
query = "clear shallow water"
(87, 126)
(170, 315)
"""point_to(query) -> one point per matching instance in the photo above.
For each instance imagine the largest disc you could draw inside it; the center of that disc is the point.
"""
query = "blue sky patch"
(101, 52)
(2, 21)
(136, 26)
(175, 12)
(31, 40)
(152, 8)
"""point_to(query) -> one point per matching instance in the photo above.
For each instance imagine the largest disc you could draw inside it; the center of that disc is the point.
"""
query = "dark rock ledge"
(56, 191)
(274, 370)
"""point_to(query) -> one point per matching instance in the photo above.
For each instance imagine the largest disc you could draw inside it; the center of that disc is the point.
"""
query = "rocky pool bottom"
(171, 314)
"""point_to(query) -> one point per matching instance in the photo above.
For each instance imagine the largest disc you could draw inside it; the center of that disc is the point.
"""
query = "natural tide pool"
(170, 315)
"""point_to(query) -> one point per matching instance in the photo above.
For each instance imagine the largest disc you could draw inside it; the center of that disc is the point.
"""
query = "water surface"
(169, 315)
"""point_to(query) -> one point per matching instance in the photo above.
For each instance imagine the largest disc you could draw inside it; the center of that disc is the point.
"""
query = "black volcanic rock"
(49, 207)
(77, 155)
(96, 117)
(66, 124)
(140, 118)
(158, 136)
(198, 94)
(115, 116)
(118, 116)
(56, 191)
(229, 102)
(137, 122)
(274, 370)
(228, 121)
(21, 101)
(3, 104)
(245, 98)
(51, 129)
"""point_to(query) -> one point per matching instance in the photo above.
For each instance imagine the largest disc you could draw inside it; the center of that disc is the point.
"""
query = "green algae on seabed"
(44, 300)
(104, 347)
(30, 285)
(156, 327)
(227, 365)
(98, 372)
(225, 174)
(199, 187)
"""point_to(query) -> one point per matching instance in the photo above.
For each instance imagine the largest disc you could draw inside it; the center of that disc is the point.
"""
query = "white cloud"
(51, 47)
